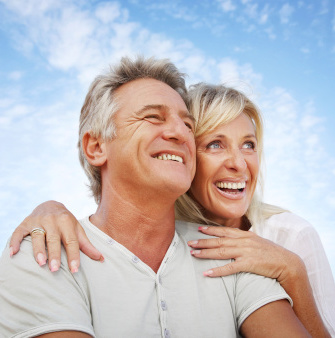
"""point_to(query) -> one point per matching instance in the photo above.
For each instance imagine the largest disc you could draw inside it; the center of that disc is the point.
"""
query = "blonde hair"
(100, 103)
(212, 106)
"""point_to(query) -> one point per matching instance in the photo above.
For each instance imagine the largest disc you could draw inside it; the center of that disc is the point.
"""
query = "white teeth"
(229, 185)
(166, 157)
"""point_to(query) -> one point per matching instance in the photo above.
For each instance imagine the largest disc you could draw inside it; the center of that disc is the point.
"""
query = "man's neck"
(145, 228)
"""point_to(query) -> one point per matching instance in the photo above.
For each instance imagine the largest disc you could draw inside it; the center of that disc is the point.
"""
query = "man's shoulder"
(95, 235)
(189, 231)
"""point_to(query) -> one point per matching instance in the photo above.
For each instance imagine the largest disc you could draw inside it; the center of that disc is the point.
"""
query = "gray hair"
(212, 106)
(100, 103)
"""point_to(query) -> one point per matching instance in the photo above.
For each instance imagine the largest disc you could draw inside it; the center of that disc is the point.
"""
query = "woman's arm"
(61, 227)
(255, 254)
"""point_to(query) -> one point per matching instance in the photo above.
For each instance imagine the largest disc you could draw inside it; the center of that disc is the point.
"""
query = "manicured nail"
(41, 260)
(54, 265)
(190, 243)
(74, 266)
(11, 251)
(208, 273)
(195, 252)
(202, 228)
(102, 259)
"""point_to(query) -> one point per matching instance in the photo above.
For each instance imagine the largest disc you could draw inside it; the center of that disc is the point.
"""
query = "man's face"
(154, 148)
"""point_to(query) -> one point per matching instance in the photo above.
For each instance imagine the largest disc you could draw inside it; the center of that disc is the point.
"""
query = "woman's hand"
(255, 254)
(250, 252)
(61, 227)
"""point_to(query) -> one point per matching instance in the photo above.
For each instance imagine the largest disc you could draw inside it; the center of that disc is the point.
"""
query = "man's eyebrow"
(184, 113)
(187, 114)
(149, 107)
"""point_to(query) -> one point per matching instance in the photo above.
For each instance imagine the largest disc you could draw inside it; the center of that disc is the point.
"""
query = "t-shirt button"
(163, 305)
(135, 259)
(167, 333)
(110, 241)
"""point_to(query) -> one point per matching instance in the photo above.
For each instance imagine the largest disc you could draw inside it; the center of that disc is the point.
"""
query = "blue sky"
(280, 53)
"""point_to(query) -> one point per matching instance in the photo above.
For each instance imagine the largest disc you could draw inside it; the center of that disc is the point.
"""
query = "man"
(137, 147)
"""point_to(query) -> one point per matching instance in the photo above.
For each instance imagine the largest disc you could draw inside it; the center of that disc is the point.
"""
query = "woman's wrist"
(294, 271)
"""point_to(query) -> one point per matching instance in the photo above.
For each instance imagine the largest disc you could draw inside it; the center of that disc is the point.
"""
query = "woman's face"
(227, 170)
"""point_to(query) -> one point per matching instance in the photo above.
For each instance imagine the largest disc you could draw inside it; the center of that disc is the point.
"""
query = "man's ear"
(94, 149)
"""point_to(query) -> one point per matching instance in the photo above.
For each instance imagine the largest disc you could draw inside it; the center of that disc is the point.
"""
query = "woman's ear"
(94, 149)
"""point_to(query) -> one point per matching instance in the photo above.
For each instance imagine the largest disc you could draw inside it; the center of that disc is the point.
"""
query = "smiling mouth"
(169, 157)
(231, 187)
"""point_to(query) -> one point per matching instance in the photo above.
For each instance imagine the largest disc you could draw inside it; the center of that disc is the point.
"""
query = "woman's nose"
(236, 160)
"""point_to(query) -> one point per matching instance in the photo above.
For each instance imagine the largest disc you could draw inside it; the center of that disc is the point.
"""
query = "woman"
(228, 134)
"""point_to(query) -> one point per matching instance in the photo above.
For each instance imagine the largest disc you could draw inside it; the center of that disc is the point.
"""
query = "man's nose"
(235, 160)
(175, 129)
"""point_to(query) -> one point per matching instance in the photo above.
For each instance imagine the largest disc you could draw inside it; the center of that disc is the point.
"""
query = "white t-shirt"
(123, 297)
(297, 235)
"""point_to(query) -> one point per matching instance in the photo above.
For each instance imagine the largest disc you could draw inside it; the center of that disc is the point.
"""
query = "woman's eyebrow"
(223, 136)
(250, 135)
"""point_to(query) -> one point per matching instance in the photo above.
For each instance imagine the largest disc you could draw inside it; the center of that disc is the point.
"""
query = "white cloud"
(108, 12)
(227, 5)
(285, 13)
(176, 10)
(15, 75)
(270, 33)
(324, 7)
(31, 7)
(305, 50)
(242, 77)
(251, 10)
(297, 163)
(75, 39)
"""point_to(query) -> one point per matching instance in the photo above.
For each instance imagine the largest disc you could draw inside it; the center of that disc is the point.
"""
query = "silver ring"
(36, 230)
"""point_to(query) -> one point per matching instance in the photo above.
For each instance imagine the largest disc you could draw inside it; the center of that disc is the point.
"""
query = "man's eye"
(214, 145)
(152, 116)
(189, 125)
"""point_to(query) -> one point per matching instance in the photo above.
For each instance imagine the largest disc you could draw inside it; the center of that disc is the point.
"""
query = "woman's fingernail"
(203, 228)
(208, 273)
(102, 259)
(11, 251)
(195, 252)
(190, 243)
(74, 266)
(54, 265)
(41, 260)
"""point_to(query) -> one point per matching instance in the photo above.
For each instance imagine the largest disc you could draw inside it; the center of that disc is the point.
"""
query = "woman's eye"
(249, 145)
(214, 145)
